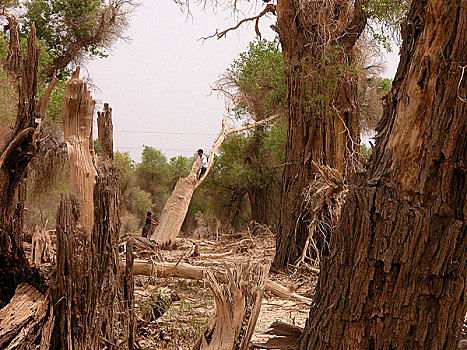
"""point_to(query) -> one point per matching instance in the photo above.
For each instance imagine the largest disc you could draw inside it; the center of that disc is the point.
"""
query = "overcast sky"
(159, 84)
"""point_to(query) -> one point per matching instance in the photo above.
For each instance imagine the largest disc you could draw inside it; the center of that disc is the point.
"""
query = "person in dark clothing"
(147, 228)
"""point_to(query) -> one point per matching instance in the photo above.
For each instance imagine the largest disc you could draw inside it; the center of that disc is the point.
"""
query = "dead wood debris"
(24, 319)
(323, 200)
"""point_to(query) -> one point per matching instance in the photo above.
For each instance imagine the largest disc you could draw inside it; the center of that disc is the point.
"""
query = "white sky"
(160, 81)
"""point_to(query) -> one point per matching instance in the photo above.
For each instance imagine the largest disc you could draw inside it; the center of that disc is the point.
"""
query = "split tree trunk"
(317, 39)
(77, 114)
(397, 272)
(175, 209)
(238, 303)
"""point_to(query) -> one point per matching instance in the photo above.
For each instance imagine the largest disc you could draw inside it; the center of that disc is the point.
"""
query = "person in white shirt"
(202, 162)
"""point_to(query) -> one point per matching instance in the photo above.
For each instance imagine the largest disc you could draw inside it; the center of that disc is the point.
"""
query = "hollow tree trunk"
(14, 160)
(397, 272)
(319, 103)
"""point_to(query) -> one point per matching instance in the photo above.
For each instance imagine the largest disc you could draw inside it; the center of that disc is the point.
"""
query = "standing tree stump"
(238, 303)
(77, 114)
(94, 311)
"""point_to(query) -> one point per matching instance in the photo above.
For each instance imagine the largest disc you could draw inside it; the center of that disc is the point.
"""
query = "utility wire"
(164, 133)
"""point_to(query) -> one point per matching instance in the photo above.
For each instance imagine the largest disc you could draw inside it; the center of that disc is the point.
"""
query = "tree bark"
(397, 272)
(14, 160)
(322, 112)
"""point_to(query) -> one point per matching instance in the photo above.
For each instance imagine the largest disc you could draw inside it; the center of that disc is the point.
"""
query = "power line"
(137, 148)
(164, 133)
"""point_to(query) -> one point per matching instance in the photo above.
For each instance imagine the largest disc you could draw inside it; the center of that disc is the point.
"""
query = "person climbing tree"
(147, 228)
(202, 162)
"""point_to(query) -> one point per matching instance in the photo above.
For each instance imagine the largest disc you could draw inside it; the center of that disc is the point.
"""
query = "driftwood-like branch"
(270, 8)
(183, 270)
(225, 133)
(287, 337)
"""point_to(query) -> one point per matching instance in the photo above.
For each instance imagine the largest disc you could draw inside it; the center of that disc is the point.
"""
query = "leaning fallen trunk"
(175, 209)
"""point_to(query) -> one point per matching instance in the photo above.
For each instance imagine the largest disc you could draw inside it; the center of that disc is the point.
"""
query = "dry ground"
(187, 305)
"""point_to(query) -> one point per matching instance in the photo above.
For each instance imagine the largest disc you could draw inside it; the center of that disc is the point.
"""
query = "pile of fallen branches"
(323, 200)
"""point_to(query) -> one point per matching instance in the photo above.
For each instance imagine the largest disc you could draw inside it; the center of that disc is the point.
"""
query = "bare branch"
(270, 8)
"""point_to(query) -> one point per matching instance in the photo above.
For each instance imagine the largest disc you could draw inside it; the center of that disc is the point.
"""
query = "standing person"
(147, 228)
(202, 162)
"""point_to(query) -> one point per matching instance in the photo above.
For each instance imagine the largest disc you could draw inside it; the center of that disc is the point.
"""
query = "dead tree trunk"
(14, 159)
(397, 272)
(238, 303)
(94, 300)
(176, 207)
(317, 39)
(105, 132)
(77, 114)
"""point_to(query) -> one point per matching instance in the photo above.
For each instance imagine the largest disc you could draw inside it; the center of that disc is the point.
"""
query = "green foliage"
(387, 16)
(61, 22)
(8, 3)
(258, 74)
(365, 151)
(179, 167)
(153, 173)
(384, 85)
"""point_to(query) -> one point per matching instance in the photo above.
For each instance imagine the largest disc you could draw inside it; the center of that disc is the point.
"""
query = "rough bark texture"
(24, 319)
(317, 37)
(238, 303)
(397, 272)
(87, 268)
(77, 114)
(12, 63)
(14, 160)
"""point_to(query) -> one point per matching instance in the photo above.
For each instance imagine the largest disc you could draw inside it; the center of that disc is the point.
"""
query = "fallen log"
(183, 270)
